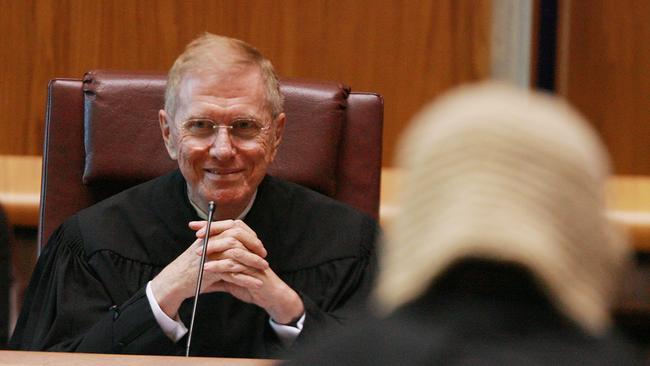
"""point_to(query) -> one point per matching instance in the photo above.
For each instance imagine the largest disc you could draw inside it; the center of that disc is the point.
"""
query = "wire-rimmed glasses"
(242, 130)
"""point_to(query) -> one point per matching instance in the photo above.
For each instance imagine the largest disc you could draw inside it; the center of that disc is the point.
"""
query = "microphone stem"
(199, 280)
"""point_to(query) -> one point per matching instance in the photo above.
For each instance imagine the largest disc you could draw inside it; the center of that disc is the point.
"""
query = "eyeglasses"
(242, 130)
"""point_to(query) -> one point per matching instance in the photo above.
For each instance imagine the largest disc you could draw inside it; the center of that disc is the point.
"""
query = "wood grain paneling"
(406, 51)
(604, 69)
(20, 188)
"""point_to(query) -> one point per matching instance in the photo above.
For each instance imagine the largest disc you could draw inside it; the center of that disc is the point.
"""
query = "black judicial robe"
(476, 314)
(87, 293)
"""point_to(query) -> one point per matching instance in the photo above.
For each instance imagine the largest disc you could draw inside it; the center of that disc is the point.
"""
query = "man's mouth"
(223, 171)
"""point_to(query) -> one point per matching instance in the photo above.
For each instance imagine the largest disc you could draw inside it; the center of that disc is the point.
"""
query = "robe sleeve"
(67, 307)
(320, 318)
(344, 299)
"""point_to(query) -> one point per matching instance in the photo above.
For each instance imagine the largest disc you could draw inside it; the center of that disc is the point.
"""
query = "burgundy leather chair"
(102, 136)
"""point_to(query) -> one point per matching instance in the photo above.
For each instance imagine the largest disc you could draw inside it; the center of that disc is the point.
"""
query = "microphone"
(199, 280)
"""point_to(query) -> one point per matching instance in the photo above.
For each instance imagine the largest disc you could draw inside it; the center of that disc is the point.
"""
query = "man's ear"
(279, 130)
(168, 137)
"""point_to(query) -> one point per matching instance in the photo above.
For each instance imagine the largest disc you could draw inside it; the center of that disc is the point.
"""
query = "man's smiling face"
(223, 169)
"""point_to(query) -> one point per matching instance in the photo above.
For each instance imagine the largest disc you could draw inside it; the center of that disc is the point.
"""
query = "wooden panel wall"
(407, 51)
(604, 69)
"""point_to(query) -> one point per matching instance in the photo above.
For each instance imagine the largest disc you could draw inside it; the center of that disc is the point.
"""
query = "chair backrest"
(102, 136)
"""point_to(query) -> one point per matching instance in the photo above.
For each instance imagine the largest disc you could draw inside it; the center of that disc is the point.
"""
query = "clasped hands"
(235, 264)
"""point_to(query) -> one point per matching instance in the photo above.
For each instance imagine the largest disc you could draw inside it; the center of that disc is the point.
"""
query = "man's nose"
(222, 147)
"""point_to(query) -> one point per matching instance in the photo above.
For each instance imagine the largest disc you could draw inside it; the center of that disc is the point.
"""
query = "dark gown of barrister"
(87, 293)
(478, 313)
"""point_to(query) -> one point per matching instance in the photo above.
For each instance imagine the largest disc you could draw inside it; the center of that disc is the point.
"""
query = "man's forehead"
(236, 82)
(223, 75)
(200, 90)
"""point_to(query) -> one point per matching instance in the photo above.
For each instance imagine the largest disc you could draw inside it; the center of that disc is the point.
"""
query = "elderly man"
(283, 263)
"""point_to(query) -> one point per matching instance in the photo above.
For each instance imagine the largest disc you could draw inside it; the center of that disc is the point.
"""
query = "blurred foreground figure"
(502, 253)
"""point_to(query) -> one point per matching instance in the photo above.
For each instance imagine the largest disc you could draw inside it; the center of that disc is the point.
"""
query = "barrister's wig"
(497, 173)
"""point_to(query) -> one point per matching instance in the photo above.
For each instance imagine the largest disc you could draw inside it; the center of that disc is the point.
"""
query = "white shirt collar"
(204, 215)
